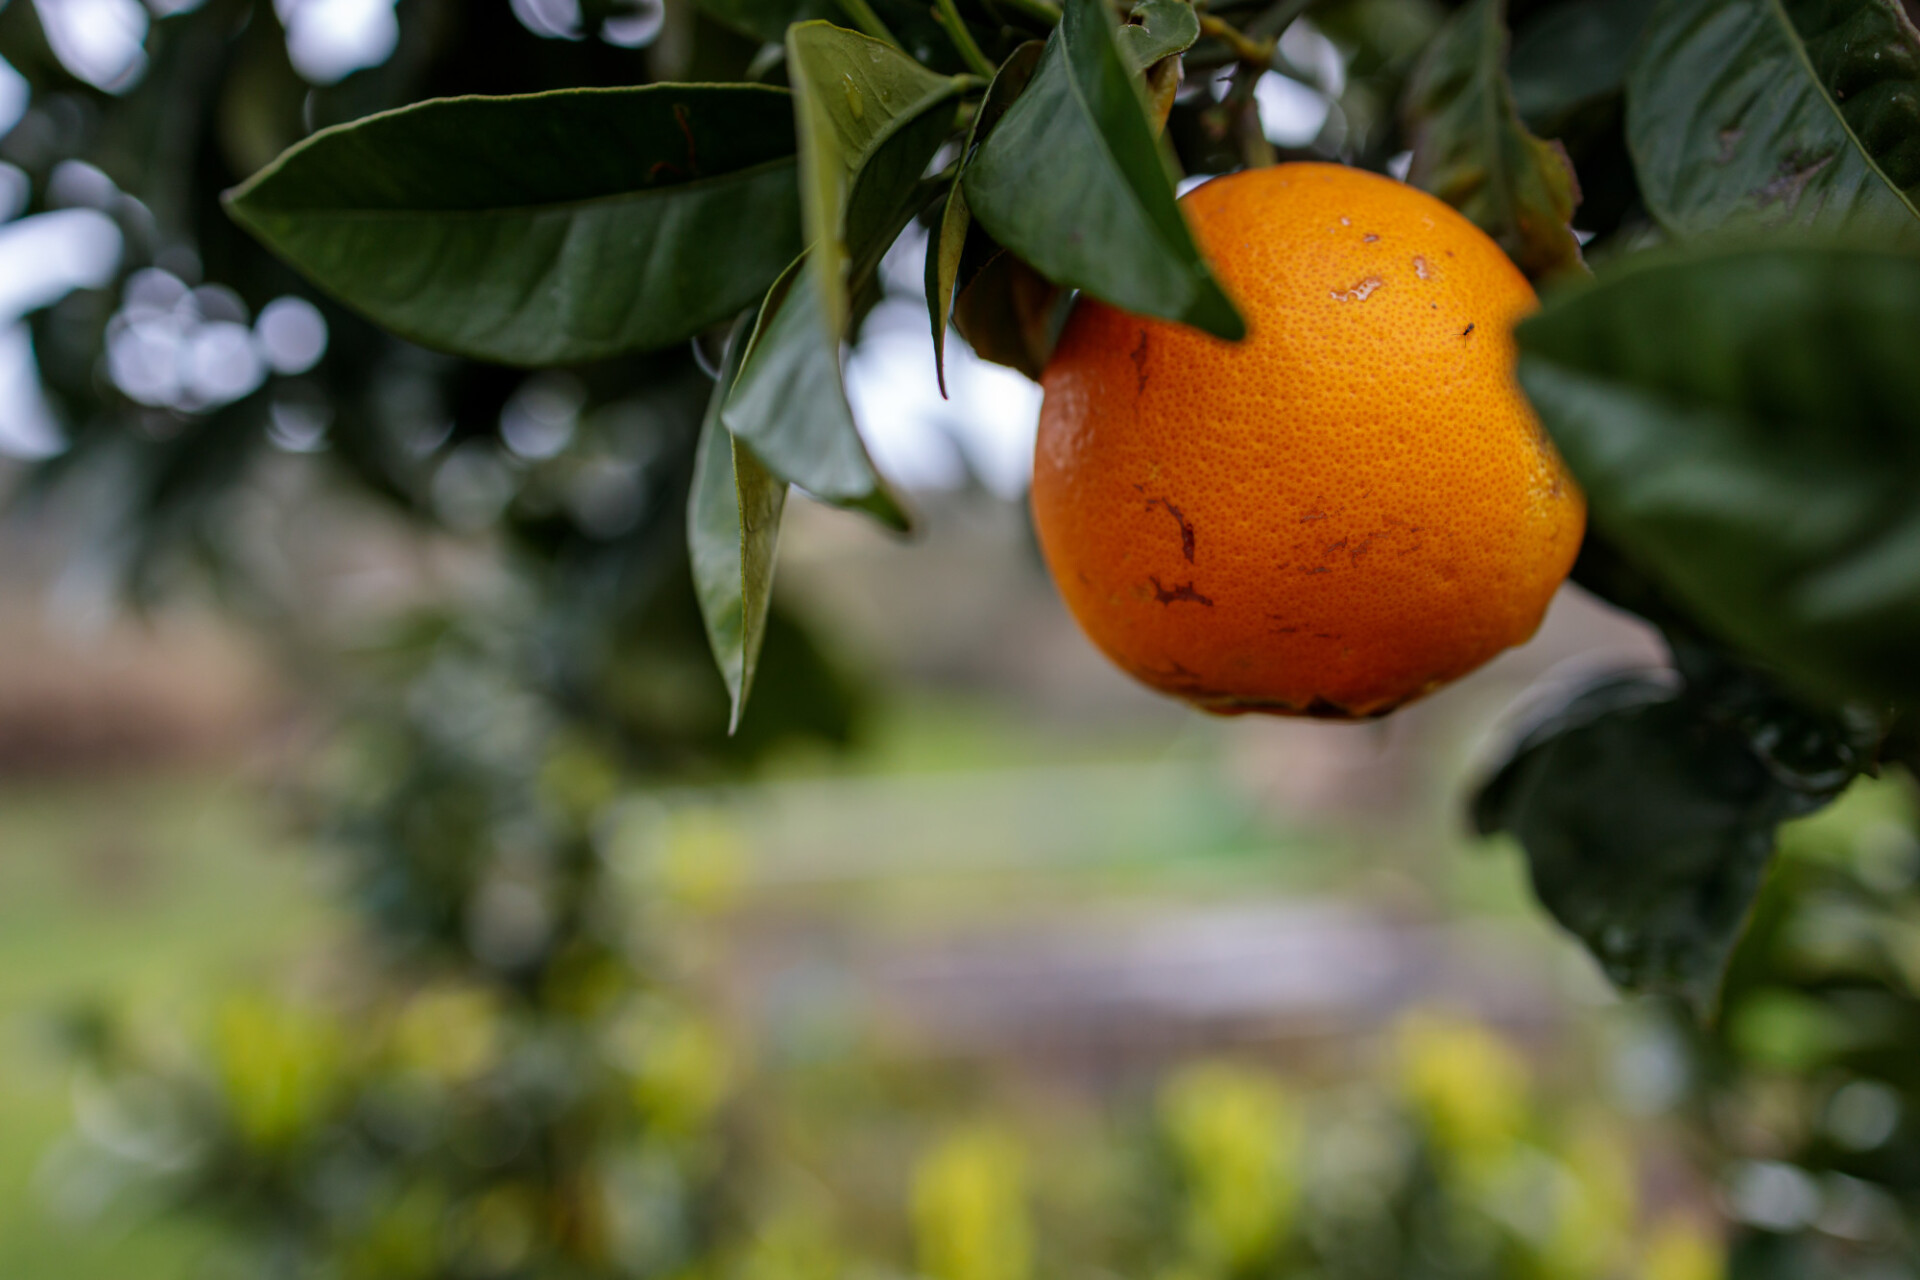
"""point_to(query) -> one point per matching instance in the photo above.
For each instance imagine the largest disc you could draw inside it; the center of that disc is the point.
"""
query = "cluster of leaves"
(1738, 411)
(1737, 402)
(576, 225)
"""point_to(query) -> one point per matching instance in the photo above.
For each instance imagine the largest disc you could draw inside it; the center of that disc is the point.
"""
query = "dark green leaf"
(1160, 29)
(1746, 424)
(1379, 35)
(944, 246)
(767, 20)
(733, 526)
(1572, 54)
(789, 405)
(949, 238)
(869, 118)
(1470, 149)
(1075, 182)
(1648, 826)
(1812, 752)
(1784, 111)
(549, 229)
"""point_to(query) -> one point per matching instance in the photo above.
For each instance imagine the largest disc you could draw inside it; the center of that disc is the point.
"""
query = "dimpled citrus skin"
(1345, 511)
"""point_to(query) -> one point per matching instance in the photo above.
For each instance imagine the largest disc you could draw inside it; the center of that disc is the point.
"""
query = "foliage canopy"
(1731, 381)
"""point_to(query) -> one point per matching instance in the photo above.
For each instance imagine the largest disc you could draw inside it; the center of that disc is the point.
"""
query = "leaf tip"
(889, 511)
(1214, 312)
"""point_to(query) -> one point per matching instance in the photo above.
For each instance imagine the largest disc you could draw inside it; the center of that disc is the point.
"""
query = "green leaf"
(790, 407)
(733, 527)
(1781, 111)
(1813, 751)
(1573, 54)
(1470, 149)
(1648, 823)
(1161, 28)
(944, 248)
(949, 239)
(870, 118)
(548, 229)
(767, 20)
(1075, 182)
(1746, 425)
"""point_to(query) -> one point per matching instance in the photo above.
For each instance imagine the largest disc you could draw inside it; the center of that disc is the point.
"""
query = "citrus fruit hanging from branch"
(1345, 511)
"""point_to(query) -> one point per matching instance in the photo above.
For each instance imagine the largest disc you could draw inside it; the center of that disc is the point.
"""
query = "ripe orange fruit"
(1345, 511)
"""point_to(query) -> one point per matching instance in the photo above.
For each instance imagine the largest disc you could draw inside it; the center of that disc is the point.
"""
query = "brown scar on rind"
(1182, 591)
(1313, 515)
(1139, 358)
(1188, 683)
(1186, 527)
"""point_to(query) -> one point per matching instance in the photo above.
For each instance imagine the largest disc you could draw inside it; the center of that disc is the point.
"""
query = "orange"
(1343, 512)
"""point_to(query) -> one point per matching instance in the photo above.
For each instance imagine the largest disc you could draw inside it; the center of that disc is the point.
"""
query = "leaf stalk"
(868, 21)
(947, 14)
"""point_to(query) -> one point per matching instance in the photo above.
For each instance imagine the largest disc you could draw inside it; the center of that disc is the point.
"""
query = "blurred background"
(381, 896)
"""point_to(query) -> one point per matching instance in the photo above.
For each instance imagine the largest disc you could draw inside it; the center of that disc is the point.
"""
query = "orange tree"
(1732, 387)
(1724, 358)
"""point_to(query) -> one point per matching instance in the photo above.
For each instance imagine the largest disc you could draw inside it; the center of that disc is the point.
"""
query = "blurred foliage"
(501, 1080)
(969, 1209)
(1805, 1090)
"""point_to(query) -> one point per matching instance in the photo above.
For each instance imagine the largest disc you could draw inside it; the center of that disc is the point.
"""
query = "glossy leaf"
(1571, 55)
(790, 407)
(1471, 150)
(733, 527)
(1746, 425)
(945, 244)
(1160, 29)
(1648, 822)
(1074, 182)
(948, 242)
(1811, 750)
(549, 229)
(1782, 111)
(870, 118)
